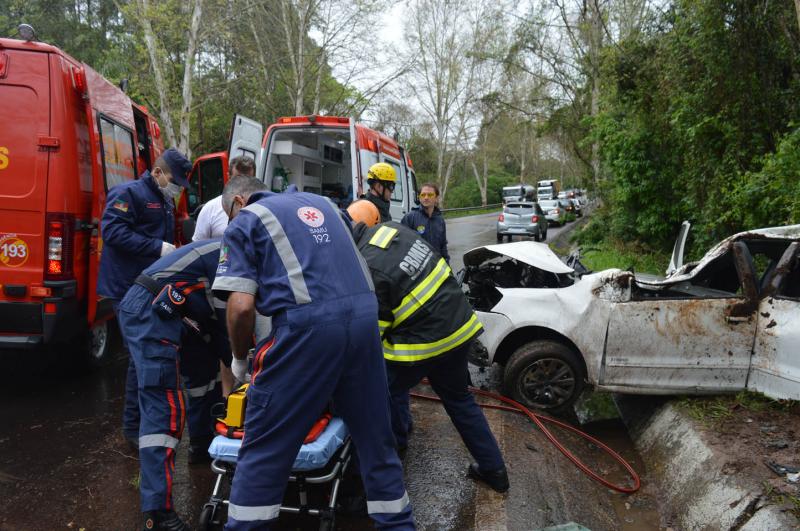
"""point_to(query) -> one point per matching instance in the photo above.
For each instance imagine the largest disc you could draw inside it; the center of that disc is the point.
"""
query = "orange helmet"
(363, 211)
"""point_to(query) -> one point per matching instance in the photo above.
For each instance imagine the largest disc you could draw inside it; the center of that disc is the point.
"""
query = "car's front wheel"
(544, 374)
(499, 238)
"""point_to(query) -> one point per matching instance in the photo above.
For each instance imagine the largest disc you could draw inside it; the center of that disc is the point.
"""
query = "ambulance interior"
(314, 159)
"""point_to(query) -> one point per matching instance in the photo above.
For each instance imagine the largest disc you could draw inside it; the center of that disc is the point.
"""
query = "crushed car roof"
(687, 271)
(531, 253)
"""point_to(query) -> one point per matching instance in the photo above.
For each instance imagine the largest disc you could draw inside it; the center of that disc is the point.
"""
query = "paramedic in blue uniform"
(170, 304)
(427, 327)
(138, 227)
(290, 256)
(428, 221)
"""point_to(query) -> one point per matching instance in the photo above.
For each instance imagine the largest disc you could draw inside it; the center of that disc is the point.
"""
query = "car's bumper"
(31, 324)
(524, 230)
(553, 218)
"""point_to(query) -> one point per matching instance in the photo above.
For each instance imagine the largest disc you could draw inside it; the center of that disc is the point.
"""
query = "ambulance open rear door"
(246, 137)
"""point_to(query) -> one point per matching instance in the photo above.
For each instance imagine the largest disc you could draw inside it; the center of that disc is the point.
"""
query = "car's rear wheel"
(544, 374)
(538, 236)
(499, 238)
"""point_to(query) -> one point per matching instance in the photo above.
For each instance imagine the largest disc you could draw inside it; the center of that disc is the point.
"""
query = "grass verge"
(473, 212)
(714, 410)
(620, 256)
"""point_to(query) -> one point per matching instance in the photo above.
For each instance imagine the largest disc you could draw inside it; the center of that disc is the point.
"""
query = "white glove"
(166, 248)
(239, 369)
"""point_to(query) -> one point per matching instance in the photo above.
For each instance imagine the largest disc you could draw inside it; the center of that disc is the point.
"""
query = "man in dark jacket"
(382, 179)
(427, 327)
(138, 227)
(428, 221)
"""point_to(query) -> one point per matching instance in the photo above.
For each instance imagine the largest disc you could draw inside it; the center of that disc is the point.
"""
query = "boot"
(198, 450)
(163, 520)
(497, 479)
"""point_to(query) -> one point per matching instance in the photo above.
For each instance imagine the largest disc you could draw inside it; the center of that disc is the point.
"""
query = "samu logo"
(313, 217)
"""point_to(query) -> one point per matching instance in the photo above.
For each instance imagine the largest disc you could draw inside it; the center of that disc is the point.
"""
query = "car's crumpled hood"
(531, 253)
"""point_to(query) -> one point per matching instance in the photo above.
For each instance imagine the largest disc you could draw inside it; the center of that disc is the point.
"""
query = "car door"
(696, 337)
(775, 368)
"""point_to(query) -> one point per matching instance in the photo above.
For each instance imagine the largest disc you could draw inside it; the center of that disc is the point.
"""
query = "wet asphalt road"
(64, 464)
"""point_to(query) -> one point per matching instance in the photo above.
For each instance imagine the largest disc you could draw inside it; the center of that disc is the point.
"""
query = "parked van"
(325, 155)
(68, 135)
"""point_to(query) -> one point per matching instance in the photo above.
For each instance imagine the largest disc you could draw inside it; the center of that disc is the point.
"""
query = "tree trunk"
(188, 76)
(797, 9)
(595, 44)
(164, 112)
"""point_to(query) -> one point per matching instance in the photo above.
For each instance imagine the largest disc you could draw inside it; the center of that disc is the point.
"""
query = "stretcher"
(322, 461)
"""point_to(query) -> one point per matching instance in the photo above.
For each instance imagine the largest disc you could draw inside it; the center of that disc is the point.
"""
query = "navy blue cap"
(179, 166)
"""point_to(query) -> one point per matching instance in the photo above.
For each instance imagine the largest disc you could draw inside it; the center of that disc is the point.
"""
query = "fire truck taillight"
(79, 80)
(60, 236)
(3, 64)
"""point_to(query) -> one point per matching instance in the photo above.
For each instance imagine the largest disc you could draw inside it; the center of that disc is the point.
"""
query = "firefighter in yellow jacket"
(427, 327)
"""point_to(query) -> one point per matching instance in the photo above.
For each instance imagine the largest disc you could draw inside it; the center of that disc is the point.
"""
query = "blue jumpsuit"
(155, 340)
(136, 220)
(294, 252)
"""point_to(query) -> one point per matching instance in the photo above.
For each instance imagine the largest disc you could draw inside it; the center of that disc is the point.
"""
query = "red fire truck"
(67, 136)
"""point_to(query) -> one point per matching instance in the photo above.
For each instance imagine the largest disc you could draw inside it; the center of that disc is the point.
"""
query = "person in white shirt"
(213, 220)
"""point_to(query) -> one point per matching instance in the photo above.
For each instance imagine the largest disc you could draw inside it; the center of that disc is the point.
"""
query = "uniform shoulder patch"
(383, 237)
(121, 205)
(421, 229)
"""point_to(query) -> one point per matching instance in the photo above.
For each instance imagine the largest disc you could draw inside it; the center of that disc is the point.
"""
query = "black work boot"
(497, 479)
(198, 450)
(163, 520)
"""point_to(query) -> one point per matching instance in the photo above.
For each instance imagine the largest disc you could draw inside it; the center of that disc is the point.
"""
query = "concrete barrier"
(697, 492)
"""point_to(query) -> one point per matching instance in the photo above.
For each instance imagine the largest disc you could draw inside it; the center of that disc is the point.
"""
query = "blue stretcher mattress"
(311, 456)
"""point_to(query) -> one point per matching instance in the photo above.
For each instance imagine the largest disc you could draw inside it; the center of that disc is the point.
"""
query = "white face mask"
(171, 191)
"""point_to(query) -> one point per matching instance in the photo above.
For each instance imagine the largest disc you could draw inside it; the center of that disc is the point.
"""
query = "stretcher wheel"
(206, 520)
(328, 523)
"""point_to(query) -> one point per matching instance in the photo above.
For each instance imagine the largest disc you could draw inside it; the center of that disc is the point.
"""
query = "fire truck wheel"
(101, 341)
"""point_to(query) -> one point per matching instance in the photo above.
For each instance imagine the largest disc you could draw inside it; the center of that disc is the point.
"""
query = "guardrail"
(464, 209)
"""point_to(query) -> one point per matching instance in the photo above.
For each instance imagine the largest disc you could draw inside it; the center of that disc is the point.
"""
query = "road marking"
(490, 506)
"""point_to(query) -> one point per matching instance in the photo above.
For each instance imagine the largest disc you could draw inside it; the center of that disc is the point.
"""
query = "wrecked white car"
(726, 323)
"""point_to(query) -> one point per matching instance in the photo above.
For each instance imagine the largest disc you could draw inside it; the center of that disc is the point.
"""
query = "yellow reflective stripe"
(383, 325)
(422, 351)
(421, 293)
(382, 237)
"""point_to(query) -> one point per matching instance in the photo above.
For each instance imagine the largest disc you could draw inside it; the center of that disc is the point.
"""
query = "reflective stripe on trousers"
(246, 513)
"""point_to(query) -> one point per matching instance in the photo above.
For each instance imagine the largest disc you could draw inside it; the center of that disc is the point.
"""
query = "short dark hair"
(243, 165)
(240, 185)
(430, 185)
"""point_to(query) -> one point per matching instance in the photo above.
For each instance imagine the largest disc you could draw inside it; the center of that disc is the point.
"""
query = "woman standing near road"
(428, 221)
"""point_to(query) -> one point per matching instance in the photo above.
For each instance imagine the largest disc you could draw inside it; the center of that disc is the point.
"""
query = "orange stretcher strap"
(316, 430)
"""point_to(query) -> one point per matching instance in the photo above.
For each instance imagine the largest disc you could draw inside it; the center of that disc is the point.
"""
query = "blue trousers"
(200, 375)
(317, 352)
(154, 344)
(449, 377)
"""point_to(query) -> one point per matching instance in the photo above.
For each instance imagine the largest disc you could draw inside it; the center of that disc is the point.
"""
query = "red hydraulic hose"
(539, 420)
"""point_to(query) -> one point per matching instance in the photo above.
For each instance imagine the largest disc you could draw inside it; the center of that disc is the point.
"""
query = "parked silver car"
(524, 219)
(554, 211)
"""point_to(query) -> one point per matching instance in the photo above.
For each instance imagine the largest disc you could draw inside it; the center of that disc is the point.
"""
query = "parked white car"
(726, 323)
